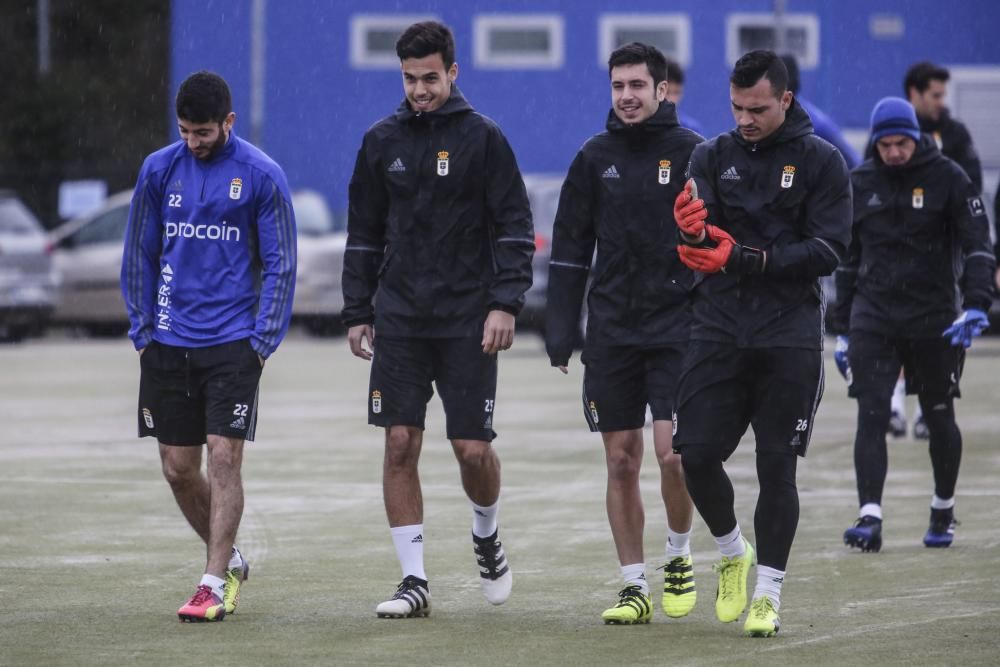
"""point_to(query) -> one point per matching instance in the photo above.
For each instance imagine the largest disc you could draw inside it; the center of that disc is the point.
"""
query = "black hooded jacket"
(439, 231)
(619, 195)
(790, 196)
(921, 237)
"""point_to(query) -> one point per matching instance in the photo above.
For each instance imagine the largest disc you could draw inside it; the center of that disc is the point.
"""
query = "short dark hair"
(757, 65)
(427, 38)
(921, 74)
(204, 97)
(674, 72)
(637, 53)
(792, 65)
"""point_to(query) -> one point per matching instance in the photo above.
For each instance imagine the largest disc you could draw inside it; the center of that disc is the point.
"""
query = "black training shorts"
(619, 382)
(723, 390)
(187, 393)
(404, 371)
(932, 366)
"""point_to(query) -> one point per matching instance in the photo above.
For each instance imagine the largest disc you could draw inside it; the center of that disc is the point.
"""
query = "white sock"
(635, 575)
(236, 560)
(217, 585)
(484, 519)
(942, 503)
(870, 509)
(409, 541)
(918, 413)
(732, 543)
(678, 544)
(899, 397)
(769, 583)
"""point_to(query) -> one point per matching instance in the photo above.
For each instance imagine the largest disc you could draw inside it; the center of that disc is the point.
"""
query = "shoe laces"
(677, 567)
(201, 596)
(629, 592)
(727, 568)
(762, 607)
(408, 584)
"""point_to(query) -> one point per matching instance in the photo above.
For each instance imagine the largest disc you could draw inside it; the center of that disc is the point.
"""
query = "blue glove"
(840, 357)
(969, 324)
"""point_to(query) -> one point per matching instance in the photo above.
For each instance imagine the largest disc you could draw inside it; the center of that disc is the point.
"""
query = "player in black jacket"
(921, 236)
(438, 258)
(618, 196)
(778, 205)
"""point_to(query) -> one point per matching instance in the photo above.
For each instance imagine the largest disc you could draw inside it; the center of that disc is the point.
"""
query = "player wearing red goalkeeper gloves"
(769, 212)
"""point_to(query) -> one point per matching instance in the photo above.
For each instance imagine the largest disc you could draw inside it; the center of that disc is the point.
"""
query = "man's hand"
(564, 369)
(840, 358)
(498, 332)
(361, 338)
(727, 255)
(969, 324)
(709, 260)
(690, 213)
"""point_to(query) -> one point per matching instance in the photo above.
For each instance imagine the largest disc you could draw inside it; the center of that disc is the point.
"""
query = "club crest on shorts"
(443, 163)
(663, 173)
(592, 406)
(787, 176)
(673, 423)
(147, 417)
(376, 401)
(918, 197)
(235, 188)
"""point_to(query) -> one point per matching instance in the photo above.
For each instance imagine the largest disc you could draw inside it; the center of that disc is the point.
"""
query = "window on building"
(670, 33)
(747, 32)
(974, 91)
(373, 38)
(519, 41)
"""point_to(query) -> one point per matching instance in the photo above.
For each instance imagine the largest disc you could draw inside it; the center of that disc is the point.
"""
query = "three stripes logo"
(730, 174)
(419, 539)
(611, 172)
(397, 166)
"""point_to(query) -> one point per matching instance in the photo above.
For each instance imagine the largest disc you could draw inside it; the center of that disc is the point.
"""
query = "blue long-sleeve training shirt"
(210, 249)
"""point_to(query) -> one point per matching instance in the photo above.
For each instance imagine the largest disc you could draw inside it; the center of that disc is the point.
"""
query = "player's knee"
(670, 462)
(473, 454)
(401, 448)
(179, 472)
(699, 462)
(623, 464)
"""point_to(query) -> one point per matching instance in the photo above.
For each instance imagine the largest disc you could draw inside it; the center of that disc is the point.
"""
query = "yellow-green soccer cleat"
(762, 621)
(634, 607)
(731, 597)
(235, 576)
(679, 594)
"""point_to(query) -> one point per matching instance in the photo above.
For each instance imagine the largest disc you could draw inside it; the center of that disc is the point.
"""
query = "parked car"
(28, 281)
(543, 197)
(88, 253)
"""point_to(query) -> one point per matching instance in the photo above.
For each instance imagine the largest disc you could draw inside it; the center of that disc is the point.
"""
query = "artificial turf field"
(95, 558)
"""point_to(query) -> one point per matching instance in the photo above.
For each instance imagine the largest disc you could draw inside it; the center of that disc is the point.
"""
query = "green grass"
(95, 558)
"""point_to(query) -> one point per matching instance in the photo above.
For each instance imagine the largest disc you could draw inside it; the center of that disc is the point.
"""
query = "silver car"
(88, 253)
(28, 281)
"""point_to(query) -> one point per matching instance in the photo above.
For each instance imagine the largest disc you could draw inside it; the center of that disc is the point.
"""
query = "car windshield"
(16, 219)
(312, 215)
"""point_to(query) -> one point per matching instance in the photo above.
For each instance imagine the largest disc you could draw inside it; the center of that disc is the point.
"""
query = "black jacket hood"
(926, 151)
(664, 118)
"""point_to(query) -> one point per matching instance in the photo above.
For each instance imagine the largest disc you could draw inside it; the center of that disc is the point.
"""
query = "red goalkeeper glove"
(690, 213)
(726, 255)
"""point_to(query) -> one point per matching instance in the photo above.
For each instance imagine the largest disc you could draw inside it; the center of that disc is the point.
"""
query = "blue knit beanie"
(894, 115)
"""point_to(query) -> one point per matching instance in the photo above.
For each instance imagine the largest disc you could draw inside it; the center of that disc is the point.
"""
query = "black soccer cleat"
(865, 534)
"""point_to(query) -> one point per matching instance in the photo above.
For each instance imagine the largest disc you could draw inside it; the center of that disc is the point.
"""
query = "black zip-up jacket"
(619, 194)
(921, 235)
(439, 231)
(954, 140)
(790, 196)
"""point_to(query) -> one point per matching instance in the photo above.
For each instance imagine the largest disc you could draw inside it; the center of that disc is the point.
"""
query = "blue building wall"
(318, 106)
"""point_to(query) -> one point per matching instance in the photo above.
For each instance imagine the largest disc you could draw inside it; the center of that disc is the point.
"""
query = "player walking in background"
(208, 276)
(617, 195)
(440, 239)
(921, 236)
(778, 207)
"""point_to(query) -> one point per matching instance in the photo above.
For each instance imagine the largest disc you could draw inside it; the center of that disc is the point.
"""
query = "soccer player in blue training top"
(208, 276)
(921, 237)
(779, 217)
(619, 190)
(439, 227)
